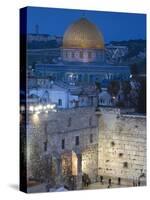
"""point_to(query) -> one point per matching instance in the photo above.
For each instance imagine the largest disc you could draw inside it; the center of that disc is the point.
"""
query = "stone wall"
(90, 162)
(122, 145)
(52, 128)
(111, 143)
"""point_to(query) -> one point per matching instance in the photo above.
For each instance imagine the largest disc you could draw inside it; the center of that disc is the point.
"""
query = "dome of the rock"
(83, 34)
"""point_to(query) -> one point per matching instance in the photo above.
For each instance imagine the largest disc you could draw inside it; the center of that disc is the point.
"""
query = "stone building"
(63, 136)
(43, 91)
(64, 145)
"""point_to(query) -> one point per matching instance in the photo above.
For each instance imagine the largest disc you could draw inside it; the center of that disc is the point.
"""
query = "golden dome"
(83, 34)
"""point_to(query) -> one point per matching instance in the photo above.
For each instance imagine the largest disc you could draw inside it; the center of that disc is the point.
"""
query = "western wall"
(122, 145)
(109, 142)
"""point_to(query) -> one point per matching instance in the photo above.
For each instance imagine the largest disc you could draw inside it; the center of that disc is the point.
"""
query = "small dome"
(83, 34)
(105, 98)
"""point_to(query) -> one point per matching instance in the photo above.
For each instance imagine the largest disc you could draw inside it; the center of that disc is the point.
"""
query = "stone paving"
(99, 185)
(93, 186)
(37, 188)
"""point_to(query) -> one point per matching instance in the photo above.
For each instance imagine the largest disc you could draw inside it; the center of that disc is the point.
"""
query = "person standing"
(101, 179)
(109, 182)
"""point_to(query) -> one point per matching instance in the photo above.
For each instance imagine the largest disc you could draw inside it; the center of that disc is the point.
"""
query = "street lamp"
(37, 109)
(31, 108)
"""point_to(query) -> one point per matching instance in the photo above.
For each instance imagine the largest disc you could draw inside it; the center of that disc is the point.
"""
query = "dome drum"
(83, 55)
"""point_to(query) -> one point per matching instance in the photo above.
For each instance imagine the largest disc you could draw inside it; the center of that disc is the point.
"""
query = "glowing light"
(74, 164)
(40, 107)
(36, 108)
(44, 107)
(130, 75)
(22, 108)
(35, 118)
(71, 75)
(53, 106)
(48, 106)
(31, 108)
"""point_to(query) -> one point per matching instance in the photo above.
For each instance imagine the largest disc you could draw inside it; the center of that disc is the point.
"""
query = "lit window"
(77, 140)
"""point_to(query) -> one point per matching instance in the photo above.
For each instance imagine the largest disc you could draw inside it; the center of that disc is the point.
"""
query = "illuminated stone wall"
(122, 145)
(65, 125)
(112, 143)
(90, 162)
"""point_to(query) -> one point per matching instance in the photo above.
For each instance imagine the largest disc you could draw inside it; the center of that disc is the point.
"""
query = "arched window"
(102, 101)
(73, 55)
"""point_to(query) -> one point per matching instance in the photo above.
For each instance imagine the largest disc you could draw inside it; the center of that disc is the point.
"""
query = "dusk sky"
(114, 26)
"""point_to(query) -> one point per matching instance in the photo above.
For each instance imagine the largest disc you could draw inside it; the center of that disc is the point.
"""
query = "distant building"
(37, 37)
(105, 99)
(44, 91)
(55, 95)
